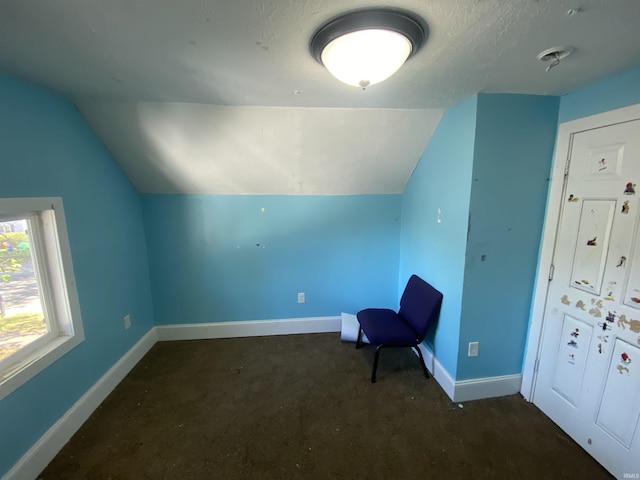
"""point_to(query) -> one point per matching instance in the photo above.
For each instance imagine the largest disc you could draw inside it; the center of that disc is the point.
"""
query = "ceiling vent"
(552, 56)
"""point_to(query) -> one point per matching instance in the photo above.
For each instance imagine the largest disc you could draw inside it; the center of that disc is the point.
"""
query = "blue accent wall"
(216, 258)
(47, 149)
(613, 92)
(436, 251)
(514, 141)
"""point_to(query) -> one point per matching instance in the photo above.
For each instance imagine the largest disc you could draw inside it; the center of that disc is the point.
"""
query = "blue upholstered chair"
(419, 306)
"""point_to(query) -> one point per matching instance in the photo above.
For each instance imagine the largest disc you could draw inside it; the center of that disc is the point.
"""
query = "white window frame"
(52, 258)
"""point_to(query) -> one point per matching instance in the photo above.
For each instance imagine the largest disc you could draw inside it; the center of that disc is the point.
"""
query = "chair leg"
(375, 364)
(359, 342)
(424, 367)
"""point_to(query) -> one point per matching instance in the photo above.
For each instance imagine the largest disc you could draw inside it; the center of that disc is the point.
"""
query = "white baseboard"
(253, 328)
(475, 389)
(47, 447)
(438, 371)
(487, 387)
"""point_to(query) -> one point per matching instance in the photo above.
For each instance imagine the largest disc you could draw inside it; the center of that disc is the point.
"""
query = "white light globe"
(366, 57)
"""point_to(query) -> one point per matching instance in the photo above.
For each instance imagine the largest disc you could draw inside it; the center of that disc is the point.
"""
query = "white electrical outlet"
(127, 321)
(301, 297)
(474, 348)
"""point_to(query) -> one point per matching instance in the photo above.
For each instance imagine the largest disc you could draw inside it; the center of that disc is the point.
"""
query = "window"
(39, 310)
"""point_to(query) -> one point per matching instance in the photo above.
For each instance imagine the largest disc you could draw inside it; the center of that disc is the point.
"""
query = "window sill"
(29, 366)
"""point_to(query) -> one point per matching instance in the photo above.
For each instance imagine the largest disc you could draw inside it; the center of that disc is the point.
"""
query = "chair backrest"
(420, 303)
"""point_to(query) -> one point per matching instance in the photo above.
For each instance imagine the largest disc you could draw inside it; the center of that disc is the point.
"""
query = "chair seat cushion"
(384, 326)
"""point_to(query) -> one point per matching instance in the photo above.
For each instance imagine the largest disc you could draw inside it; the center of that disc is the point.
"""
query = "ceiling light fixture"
(365, 47)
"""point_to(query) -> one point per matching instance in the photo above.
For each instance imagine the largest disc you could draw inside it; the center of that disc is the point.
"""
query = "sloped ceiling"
(214, 96)
(178, 147)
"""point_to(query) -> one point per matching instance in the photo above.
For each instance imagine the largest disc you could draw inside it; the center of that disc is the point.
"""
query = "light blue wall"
(436, 251)
(221, 258)
(46, 149)
(614, 92)
(515, 136)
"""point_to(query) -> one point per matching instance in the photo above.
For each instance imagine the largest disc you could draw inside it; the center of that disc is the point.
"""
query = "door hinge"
(536, 365)
(551, 270)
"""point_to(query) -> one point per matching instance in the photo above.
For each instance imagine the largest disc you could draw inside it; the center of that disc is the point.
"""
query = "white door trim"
(552, 217)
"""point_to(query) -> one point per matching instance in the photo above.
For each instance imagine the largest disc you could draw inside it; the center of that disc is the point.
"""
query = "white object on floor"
(350, 327)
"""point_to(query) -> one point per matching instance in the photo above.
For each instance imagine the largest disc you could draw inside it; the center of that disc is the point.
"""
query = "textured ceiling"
(153, 76)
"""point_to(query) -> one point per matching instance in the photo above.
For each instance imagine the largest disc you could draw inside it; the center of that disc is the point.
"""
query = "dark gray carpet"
(302, 407)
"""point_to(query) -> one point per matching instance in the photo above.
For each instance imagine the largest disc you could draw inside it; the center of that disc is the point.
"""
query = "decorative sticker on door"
(625, 360)
(581, 305)
(630, 188)
(572, 198)
(622, 369)
(603, 340)
(634, 325)
(605, 326)
(602, 165)
(595, 310)
(625, 207)
(565, 300)
(594, 230)
(610, 288)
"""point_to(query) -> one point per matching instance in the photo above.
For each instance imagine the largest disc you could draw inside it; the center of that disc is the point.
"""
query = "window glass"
(22, 319)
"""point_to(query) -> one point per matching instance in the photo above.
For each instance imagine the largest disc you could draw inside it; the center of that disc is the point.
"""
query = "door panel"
(569, 372)
(605, 163)
(589, 365)
(632, 287)
(620, 404)
(592, 244)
